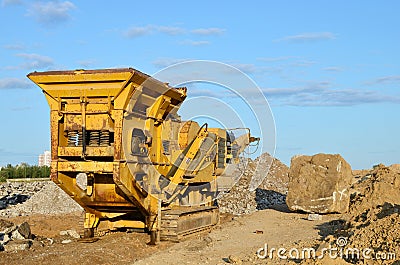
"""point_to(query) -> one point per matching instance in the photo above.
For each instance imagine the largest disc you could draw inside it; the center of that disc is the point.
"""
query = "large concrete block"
(319, 184)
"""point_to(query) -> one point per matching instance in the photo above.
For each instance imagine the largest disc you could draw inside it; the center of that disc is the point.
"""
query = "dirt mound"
(377, 229)
(371, 237)
(372, 224)
(375, 214)
(380, 185)
(244, 199)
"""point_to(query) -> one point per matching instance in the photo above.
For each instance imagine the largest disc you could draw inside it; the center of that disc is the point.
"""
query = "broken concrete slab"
(16, 235)
(4, 238)
(314, 217)
(66, 241)
(319, 184)
(17, 245)
(71, 233)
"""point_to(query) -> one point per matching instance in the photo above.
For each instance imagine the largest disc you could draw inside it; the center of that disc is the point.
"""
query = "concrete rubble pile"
(244, 199)
(13, 193)
(239, 199)
(15, 237)
(19, 237)
(273, 188)
(319, 184)
(50, 199)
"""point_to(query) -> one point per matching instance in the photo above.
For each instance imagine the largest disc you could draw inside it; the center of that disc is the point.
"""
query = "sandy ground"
(238, 237)
(110, 249)
(241, 238)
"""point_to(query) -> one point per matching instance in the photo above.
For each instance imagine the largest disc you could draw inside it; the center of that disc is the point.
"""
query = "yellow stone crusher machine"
(121, 151)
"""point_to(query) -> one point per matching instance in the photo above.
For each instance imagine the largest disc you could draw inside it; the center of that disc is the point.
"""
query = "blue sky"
(329, 69)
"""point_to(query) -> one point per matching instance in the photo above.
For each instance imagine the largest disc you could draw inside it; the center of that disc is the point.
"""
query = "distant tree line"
(23, 170)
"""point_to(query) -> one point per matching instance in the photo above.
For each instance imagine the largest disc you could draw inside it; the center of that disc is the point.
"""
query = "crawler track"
(180, 222)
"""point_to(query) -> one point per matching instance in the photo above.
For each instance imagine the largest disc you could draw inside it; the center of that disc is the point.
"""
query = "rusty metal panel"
(97, 151)
(54, 118)
(118, 118)
(97, 117)
(54, 171)
(92, 166)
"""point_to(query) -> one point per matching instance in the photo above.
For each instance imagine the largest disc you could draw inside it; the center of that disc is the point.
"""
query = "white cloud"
(333, 69)
(15, 46)
(134, 32)
(321, 94)
(164, 62)
(15, 83)
(275, 59)
(309, 37)
(246, 67)
(51, 13)
(170, 30)
(318, 93)
(195, 42)
(32, 61)
(138, 31)
(86, 63)
(303, 63)
(208, 31)
(5, 3)
(386, 80)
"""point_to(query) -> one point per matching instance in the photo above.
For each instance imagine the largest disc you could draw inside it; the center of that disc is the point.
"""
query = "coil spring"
(94, 138)
(104, 138)
(74, 138)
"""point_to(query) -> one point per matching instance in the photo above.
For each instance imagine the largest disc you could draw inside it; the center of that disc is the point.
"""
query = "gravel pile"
(50, 199)
(257, 189)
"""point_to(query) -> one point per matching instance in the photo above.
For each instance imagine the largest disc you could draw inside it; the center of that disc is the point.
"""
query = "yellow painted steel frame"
(82, 102)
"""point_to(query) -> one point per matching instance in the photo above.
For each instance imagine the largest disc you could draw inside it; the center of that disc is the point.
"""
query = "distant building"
(45, 159)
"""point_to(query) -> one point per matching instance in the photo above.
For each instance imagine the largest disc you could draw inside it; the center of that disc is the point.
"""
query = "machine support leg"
(90, 223)
(153, 237)
(155, 231)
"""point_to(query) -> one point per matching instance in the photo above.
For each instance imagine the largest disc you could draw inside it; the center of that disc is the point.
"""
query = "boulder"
(25, 230)
(319, 184)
